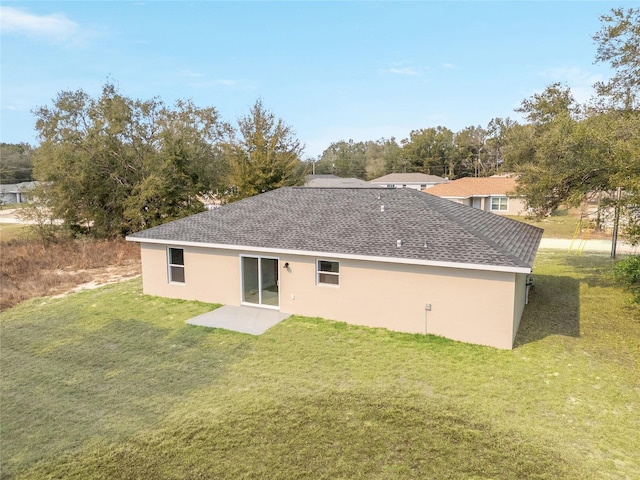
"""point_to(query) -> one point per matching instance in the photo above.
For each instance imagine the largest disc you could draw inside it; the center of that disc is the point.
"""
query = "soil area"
(29, 268)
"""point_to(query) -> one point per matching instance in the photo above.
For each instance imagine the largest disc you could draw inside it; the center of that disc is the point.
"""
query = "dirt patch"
(30, 269)
(103, 276)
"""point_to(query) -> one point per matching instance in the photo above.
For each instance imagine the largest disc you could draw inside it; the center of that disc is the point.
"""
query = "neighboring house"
(15, 192)
(333, 181)
(417, 181)
(491, 194)
(391, 258)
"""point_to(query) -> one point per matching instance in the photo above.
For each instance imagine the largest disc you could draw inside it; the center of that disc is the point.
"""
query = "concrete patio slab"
(244, 319)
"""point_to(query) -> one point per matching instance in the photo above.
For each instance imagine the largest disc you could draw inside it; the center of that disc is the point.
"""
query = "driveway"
(592, 245)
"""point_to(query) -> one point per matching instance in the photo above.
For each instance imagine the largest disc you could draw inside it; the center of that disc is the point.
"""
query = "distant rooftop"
(409, 178)
(333, 181)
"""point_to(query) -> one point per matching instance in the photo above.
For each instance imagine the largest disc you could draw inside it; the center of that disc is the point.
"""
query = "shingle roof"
(409, 178)
(470, 186)
(350, 222)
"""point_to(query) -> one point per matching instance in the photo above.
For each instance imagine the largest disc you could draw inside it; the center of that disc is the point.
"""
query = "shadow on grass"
(332, 435)
(67, 384)
(595, 269)
(553, 309)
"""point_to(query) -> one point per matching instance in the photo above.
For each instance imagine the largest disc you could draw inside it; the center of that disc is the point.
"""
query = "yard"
(109, 383)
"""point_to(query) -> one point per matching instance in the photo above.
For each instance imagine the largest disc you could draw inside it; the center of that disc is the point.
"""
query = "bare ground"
(30, 269)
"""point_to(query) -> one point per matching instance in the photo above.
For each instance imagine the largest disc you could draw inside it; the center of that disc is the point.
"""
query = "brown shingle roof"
(469, 187)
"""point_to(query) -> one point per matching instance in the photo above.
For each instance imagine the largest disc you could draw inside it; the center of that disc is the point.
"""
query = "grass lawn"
(110, 383)
(561, 223)
(11, 231)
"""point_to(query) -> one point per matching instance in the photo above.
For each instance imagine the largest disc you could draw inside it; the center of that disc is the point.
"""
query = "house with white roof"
(14, 193)
(417, 181)
(387, 258)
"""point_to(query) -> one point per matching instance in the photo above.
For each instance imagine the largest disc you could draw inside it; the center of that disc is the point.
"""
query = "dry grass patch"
(30, 269)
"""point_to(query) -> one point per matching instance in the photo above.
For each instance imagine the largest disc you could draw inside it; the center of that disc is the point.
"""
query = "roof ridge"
(477, 232)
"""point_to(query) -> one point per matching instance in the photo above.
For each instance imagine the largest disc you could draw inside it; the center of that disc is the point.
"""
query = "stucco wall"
(515, 206)
(467, 305)
(520, 297)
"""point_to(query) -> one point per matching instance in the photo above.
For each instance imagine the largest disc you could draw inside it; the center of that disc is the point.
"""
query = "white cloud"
(402, 68)
(402, 71)
(448, 66)
(55, 27)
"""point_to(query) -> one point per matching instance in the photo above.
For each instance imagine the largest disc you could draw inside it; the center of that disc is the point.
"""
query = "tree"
(542, 108)
(112, 165)
(567, 151)
(619, 45)
(265, 157)
(430, 150)
(16, 165)
(471, 157)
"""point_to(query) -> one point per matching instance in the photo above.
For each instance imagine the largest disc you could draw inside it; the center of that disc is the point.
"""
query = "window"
(328, 272)
(499, 204)
(176, 265)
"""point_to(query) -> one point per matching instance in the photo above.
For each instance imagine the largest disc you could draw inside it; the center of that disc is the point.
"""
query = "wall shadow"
(553, 309)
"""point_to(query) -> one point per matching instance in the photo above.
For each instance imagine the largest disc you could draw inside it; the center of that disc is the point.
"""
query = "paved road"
(593, 245)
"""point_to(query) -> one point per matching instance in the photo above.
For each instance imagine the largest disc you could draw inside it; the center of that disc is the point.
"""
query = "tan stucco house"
(391, 258)
(417, 181)
(491, 194)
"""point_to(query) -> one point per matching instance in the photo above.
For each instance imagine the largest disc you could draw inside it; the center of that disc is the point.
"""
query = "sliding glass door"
(260, 281)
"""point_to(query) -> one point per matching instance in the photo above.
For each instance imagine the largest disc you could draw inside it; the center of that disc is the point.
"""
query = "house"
(417, 181)
(391, 258)
(15, 192)
(333, 181)
(491, 194)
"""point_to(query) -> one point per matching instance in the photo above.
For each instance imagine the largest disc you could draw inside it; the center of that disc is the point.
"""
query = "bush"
(627, 273)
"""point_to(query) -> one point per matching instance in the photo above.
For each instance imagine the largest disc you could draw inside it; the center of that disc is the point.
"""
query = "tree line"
(114, 165)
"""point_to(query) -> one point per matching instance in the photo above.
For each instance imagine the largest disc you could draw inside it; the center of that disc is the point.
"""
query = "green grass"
(110, 383)
(560, 224)
(10, 231)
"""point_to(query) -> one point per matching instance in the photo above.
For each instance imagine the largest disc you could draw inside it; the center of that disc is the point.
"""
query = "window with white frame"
(328, 272)
(176, 265)
(500, 204)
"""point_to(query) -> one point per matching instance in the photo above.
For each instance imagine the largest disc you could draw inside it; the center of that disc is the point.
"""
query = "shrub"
(627, 273)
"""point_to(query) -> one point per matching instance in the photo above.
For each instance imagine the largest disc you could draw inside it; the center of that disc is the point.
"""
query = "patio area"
(243, 319)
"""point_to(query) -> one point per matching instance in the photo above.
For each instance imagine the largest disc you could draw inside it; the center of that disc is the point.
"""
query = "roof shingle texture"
(470, 186)
(350, 222)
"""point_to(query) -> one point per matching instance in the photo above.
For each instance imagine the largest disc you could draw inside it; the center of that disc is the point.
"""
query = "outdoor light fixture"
(286, 265)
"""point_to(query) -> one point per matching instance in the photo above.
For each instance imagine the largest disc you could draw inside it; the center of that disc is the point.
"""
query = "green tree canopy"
(567, 151)
(265, 156)
(114, 165)
(619, 45)
(16, 165)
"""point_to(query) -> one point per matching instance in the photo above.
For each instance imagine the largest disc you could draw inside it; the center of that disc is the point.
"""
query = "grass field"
(561, 223)
(12, 231)
(110, 383)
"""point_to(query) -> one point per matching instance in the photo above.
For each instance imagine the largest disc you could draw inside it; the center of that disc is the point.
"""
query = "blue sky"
(331, 70)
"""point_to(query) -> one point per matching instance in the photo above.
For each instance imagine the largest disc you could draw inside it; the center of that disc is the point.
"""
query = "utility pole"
(616, 222)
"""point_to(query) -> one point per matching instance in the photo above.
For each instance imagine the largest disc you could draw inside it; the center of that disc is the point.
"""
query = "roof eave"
(281, 251)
